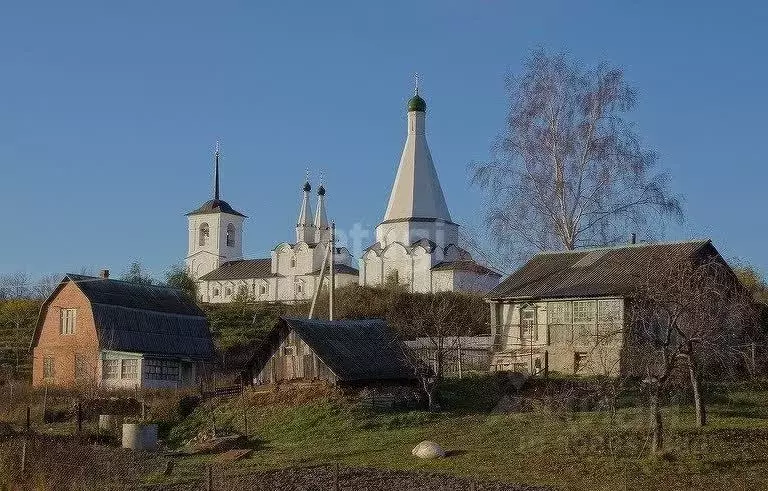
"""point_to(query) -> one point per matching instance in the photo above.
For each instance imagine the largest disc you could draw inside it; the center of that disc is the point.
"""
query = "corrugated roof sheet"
(241, 270)
(590, 272)
(355, 350)
(146, 319)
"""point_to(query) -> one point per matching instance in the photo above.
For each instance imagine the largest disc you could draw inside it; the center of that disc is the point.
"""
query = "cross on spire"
(416, 83)
(216, 173)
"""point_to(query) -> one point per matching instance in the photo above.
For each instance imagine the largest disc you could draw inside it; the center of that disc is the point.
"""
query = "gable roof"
(354, 350)
(465, 265)
(591, 272)
(141, 318)
(241, 270)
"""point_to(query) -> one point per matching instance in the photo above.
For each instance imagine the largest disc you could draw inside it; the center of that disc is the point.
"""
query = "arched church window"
(263, 290)
(230, 235)
(215, 292)
(205, 232)
(293, 262)
(228, 291)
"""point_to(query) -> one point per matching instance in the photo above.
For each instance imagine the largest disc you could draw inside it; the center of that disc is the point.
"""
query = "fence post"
(336, 478)
(23, 456)
(79, 416)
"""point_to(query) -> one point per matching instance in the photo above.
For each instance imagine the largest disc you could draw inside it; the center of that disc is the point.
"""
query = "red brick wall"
(63, 347)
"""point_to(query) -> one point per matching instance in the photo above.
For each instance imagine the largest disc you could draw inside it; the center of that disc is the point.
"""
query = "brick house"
(95, 331)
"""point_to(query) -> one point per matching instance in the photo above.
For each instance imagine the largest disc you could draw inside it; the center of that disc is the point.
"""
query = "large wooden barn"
(346, 352)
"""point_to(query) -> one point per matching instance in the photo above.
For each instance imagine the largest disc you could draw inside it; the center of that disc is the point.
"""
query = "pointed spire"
(216, 173)
(321, 218)
(305, 230)
(416, 88)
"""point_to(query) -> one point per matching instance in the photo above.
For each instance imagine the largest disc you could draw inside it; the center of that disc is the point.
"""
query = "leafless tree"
(568, 170)
(439, 318)
(690, 315)
(14, 285)
(43, 287)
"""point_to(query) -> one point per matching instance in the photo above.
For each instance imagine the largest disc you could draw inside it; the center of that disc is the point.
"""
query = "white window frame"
(576, 307)
(110, 369)
(612, 306)
(129, 369)
(68, 321)
(559, 313)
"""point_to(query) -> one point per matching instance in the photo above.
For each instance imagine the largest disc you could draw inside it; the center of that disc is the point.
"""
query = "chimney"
(104, 274)
(633, 238)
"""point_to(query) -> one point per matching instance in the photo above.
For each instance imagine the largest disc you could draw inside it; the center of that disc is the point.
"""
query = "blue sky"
(109, 112)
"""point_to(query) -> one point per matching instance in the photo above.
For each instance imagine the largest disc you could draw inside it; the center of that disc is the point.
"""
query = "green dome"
(417, 104)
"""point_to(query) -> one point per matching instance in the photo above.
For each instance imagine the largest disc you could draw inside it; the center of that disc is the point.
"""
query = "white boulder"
(428, 450)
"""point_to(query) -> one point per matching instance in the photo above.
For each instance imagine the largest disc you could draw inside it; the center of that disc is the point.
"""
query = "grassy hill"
(566, 450)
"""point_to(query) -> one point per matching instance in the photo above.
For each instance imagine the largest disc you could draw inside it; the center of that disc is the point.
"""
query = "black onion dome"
(307, 186)
(215, 206)
(321, 190)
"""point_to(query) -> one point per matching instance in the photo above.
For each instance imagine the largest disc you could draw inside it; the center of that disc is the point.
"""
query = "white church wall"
(397, 258)
(422, 276)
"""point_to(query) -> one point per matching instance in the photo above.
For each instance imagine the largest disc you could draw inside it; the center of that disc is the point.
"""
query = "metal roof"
(215, 206)
(591, 272)
(142, 318)
(341, 269)
(355, 350)
(241, 270)
(464, 265)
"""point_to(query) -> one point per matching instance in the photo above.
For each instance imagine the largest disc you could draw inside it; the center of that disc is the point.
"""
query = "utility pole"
(333, 270)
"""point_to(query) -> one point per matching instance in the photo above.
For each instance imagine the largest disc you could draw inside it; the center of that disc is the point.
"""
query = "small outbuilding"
(344, 352)
(102, 332)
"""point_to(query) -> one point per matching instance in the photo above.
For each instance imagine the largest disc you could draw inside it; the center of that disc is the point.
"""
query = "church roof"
(215, 206)
(241, 270)
(341, 269)
(465, 265)
(416, 192)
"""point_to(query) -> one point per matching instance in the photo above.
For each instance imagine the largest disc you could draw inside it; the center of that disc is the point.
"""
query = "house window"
(559, 312)
(81, 366)
(68, 321)
(204, 234)
(110, 369)
(129, 369)
(609, 310)
(579, 361)
(583, 311)
(161, 369)
(230, 235)
(528, 328)
(48, 367)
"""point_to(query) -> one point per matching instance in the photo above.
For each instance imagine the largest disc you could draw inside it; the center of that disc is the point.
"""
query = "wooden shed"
(346, 352)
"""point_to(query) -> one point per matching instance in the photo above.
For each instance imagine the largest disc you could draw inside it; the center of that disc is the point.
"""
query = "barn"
(344, 352)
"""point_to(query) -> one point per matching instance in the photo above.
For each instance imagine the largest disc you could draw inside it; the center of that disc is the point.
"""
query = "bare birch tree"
(568, 170)
(688, 315)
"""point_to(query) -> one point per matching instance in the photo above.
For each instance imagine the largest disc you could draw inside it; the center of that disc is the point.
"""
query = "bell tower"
(215, 232)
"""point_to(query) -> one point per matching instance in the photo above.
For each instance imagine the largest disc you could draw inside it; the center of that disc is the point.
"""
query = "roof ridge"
(99, 278)
(624, 246)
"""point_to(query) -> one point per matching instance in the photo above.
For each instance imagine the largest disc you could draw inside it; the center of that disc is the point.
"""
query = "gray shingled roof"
(241, 270)
(215, 206)
(143, 318)
(355, 350)
(464, 265)
(591, 272)
(341, 269)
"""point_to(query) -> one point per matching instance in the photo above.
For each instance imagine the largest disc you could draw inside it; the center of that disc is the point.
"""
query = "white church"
(416, 243)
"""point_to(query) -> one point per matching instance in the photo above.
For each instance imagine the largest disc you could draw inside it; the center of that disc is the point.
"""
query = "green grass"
(587, 450)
